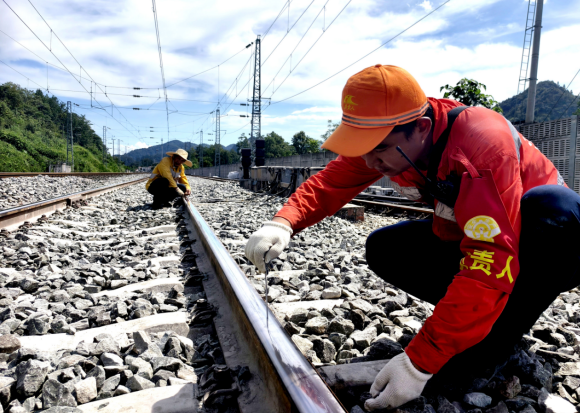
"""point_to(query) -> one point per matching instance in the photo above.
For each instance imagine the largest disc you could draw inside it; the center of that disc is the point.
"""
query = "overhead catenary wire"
(61, 42)
(562, 94)
(287, 4)
(161, 64)
(124, 87)
(295, 47)
(366, 55)
(50, 49)
(288, 31)
(23, 75)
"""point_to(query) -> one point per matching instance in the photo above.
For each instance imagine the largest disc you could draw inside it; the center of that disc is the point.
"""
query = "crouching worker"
(168, 180)
(502, 244)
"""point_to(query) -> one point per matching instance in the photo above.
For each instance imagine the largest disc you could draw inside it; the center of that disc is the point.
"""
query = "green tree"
(330, 128)
(243, 142)
(277, 147)
(208, 156)
(469, 92)
(305, 144)
(32, 127)
(577, 110)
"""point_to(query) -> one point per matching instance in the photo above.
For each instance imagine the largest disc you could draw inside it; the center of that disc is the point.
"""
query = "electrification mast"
(217, 141)
(528, 37)
(69, 141)
(535, 59)
(256, 98)
(201, 150)
(104, 142)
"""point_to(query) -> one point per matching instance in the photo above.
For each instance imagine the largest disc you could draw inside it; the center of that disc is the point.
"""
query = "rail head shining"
(307, 391)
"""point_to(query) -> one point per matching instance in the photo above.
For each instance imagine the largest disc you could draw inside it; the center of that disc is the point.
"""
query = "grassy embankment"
(31, 136)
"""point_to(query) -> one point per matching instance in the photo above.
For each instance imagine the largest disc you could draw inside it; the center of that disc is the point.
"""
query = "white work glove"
(272, 236)
(178, 191)
(401, 382)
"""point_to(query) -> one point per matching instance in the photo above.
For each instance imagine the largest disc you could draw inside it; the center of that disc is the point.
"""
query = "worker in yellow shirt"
(168, 180)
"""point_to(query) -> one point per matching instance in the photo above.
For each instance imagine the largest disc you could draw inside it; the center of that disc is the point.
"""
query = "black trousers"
(423, 265)
(161, 191)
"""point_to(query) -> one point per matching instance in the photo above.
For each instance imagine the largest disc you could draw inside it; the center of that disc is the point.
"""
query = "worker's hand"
(273, 236)
(187, 192)
(396, 384)
(178, 191)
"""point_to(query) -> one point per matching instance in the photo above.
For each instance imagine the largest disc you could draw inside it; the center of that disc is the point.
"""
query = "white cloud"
(427, 6)
(116, 44)
(333, 110)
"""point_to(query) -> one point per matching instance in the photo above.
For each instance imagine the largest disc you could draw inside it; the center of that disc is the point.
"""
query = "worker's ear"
(424, 125)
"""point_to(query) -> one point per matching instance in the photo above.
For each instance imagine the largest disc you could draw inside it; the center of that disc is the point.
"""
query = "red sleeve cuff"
(425, 355)
(290, 214)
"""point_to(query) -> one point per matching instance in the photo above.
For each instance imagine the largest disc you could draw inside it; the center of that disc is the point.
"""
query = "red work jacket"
(484, 141)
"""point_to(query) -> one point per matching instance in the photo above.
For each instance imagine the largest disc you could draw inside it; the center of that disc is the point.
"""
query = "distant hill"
(31, 134)
(154, 153)
(547, 94)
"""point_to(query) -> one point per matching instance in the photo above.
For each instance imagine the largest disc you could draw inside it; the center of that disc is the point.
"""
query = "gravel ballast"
(73, 272)
(337, 311)
(26, 190)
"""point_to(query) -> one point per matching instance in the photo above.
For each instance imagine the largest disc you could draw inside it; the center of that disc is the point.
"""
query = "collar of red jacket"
(440, 109)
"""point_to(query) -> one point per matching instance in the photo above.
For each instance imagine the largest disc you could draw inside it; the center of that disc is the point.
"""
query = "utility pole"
(201, 150)
(217, 141)
(256, 98)
(162, 148)
(535, 59)
(104, 143)
(69, 146)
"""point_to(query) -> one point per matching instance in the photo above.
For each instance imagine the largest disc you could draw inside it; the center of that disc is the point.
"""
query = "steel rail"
(13, 217)
(283, 368)
(60, 174)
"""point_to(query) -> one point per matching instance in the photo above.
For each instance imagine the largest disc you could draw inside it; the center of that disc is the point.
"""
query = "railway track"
(196, 266)
(61, 174)
(389, 206)
(118, 308)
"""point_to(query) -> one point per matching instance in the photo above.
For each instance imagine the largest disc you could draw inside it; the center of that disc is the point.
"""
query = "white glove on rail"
(178, 191)
(401, 382)
(272, 236)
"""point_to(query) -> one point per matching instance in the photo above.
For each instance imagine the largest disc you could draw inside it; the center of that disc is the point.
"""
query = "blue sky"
(115, 43)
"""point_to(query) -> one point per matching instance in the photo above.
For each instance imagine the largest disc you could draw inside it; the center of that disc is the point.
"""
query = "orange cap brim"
(352, 142)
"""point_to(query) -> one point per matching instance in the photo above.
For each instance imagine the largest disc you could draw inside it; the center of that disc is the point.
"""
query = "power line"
(61, 42)
(288, 31)
(126, 87)
(50, 49)
(287, 4)
(42, 87)
(53, 65)
(564, 91)
(227, 93)
(161, 64)
(207, 70)
(366, 55)
(295, 47)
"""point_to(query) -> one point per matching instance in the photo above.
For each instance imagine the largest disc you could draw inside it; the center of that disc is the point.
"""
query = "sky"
(96, 53)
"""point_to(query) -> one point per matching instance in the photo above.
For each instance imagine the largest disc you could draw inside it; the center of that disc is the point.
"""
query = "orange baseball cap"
(374, 101)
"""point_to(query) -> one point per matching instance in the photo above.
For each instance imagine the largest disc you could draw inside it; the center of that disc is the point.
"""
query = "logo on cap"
(348, 103)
